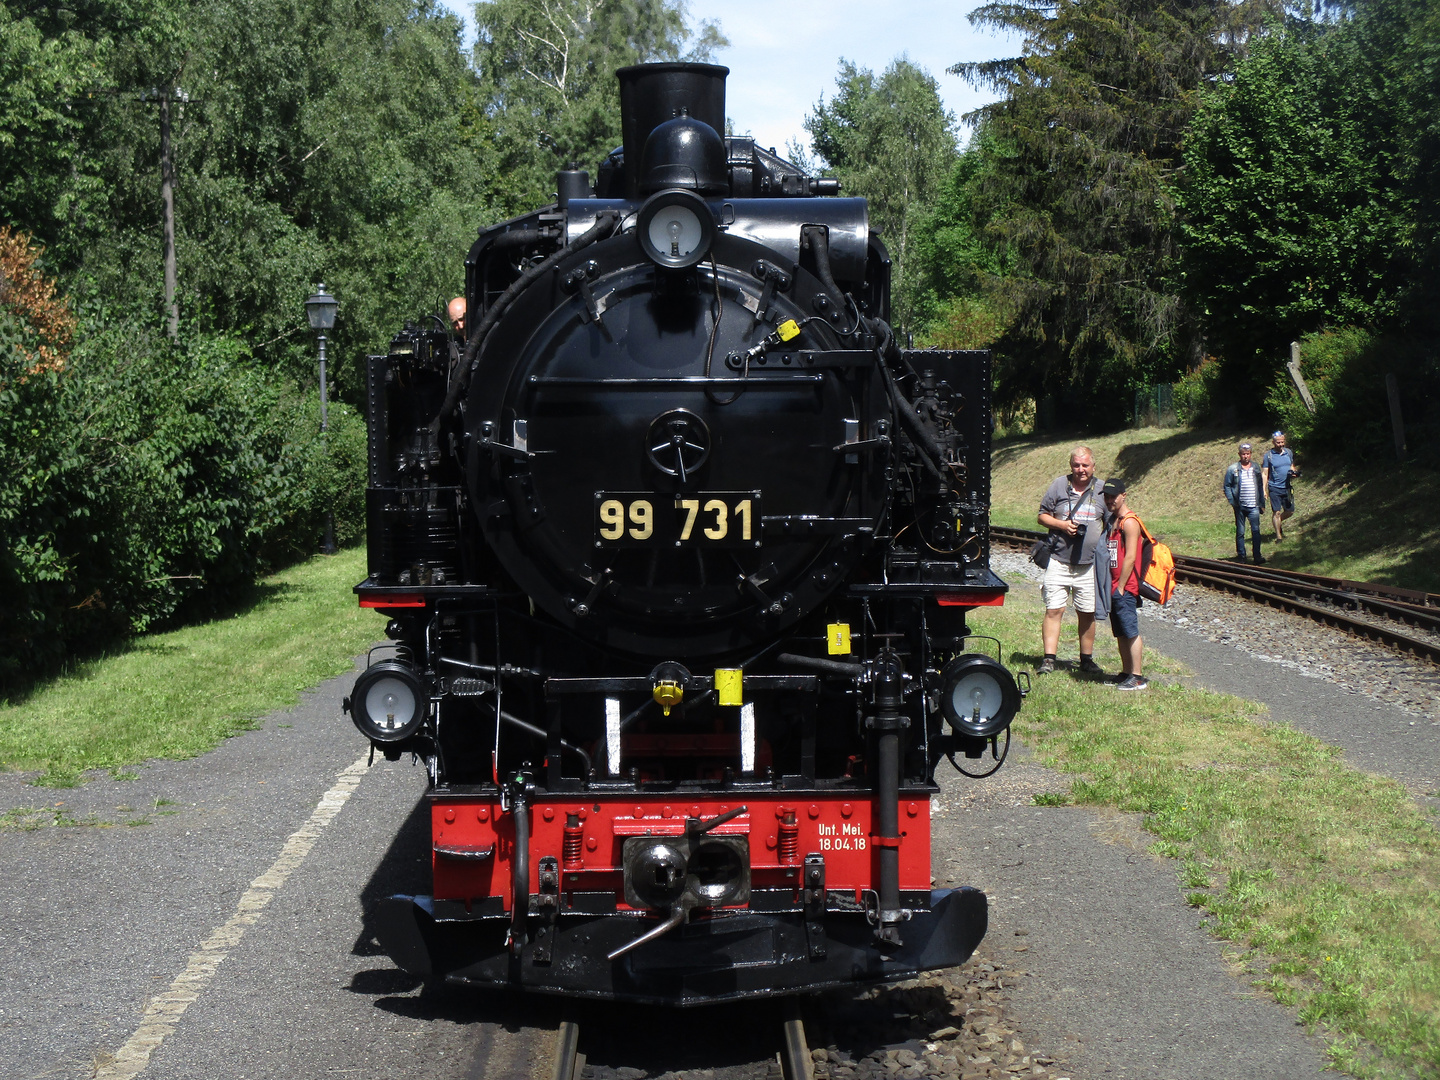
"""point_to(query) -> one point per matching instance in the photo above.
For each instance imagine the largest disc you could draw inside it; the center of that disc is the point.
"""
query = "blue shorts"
(1124, 622)
(1279, 502)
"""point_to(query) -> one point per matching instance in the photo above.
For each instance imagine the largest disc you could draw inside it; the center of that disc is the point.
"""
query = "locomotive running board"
(744, 956)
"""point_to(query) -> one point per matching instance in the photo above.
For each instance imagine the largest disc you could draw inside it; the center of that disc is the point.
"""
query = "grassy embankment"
(1325, 878)
(1365, 521)
(177, 694)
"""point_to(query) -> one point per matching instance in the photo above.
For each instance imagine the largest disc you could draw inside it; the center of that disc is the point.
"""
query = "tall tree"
(547, 71)
(950, 263)
(891, 140)
(1293, 213)
(1087, 139)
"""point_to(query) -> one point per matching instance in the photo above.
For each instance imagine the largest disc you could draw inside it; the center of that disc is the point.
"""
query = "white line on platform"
(164, 1010)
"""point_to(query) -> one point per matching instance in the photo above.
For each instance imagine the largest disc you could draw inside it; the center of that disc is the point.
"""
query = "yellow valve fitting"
(788, 329)
(837, 637)
(668, 694)
(729, 686)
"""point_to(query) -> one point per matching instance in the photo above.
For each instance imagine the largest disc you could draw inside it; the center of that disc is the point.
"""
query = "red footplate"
(474, 840)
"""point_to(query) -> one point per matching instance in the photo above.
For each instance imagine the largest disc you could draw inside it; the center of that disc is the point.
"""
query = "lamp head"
(320, 309)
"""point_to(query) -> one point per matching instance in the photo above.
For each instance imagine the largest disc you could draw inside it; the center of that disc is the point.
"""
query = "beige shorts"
(1066, 584)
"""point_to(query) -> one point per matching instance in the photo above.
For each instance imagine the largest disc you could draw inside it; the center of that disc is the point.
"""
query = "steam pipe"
(603, 223)
(818, 238)
(819, 663)
(931, 452)
(519, 863)
(888, 723)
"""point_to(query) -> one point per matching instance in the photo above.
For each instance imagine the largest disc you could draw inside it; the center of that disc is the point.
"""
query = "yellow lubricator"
(729, 686)
(668, 694)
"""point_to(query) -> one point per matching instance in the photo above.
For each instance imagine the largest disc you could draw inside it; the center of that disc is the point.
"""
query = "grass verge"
(1328, 877)
(178, 694)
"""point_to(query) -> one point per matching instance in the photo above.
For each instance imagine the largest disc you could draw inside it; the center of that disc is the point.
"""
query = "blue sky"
(784, 54)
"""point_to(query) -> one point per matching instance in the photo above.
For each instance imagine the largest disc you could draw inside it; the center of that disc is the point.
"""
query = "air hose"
(604, 222)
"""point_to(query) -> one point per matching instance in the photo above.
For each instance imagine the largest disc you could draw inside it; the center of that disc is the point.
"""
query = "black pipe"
(534, 729)
(931, 452)
(817, 237)
(603, 223)
(521, 237)
(888, 723)
(819, 663)
(519, 864)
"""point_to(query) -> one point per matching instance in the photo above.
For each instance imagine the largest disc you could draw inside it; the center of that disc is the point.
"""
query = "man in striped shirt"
(1245, 491)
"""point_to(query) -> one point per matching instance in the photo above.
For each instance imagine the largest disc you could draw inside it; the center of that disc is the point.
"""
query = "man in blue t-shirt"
(1279, 467)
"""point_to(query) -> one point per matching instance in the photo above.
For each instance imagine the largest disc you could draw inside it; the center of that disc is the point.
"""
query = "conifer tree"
(1078, 192)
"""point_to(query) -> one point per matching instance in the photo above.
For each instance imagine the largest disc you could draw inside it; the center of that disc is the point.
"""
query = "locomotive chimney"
(652, 94)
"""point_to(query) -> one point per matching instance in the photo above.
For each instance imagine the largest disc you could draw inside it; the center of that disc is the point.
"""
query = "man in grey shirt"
(1074, 512)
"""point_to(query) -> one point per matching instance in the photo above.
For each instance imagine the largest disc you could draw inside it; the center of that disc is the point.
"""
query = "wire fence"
(1155, 406)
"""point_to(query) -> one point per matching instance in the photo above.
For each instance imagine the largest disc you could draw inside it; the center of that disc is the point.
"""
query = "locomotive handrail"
(674, 380)
(638, 684)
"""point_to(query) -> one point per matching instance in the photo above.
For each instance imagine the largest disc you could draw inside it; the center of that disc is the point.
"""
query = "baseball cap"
(1277, 434)
(1246, 446)
(1114, 486)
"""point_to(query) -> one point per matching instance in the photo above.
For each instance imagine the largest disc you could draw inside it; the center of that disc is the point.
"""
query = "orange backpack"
(1157, 568)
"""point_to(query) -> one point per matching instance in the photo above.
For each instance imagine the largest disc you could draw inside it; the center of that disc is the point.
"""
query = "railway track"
(555, 1052)
(1327, 600)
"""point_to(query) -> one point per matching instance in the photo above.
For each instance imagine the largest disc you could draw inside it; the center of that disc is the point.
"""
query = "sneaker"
(1258, 561)
(1118, 677)
(1089, 667)
(1047, 667)
(1133, 682)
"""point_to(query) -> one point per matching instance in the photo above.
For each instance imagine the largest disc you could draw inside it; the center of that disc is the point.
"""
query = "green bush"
(1195, 396)
(314, 474)
(1345, 372)
(148, 481)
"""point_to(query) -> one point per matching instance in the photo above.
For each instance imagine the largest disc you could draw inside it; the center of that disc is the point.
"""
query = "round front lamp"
(675, 229)
(978, 696)
(389, 702)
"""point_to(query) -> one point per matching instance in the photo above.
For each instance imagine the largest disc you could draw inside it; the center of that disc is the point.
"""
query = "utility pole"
(164, 95)
(167, 201)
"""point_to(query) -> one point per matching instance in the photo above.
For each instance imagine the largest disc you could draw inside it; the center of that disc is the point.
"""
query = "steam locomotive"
(677, 546)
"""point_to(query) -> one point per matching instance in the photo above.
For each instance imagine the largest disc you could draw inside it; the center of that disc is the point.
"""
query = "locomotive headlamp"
(389, 702)
(978, 696)
(675, 229)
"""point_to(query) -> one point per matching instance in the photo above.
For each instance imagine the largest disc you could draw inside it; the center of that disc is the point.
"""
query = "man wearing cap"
(1244, 487)
(1279, 465)
(1073, 512)
(1124, 544)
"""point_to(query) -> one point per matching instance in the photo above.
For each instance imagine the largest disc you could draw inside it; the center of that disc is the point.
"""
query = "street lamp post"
(320, 309)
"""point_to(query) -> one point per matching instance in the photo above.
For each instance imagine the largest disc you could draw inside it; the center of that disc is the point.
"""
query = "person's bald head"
(457, 313)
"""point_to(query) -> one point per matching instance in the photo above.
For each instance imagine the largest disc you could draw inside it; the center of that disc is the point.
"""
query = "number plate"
(701, 519)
